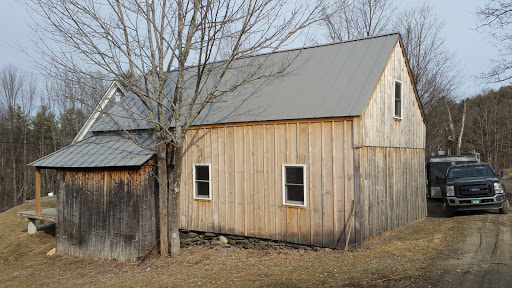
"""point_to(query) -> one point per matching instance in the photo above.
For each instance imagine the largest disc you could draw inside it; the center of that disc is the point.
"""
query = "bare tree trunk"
(459, 140)
(163, 193)
(450, 131)
(13, 161)
(174, 204)
(25, 167)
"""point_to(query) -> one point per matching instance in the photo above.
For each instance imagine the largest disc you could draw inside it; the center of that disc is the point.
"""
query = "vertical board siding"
(106, 213)
(379, 128)
(363, 174)
(392, 154)
(247, 197)
(385, 207)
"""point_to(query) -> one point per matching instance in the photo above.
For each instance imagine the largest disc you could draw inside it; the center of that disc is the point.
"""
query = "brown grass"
(402, 257)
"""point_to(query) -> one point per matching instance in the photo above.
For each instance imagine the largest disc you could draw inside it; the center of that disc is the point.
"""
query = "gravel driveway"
(480, 255)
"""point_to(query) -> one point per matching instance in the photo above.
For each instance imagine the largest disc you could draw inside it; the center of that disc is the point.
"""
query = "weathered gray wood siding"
(109, 214)
(391, 154)
(246, 165)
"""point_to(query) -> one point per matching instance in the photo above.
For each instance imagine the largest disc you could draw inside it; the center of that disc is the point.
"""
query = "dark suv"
(473, 187)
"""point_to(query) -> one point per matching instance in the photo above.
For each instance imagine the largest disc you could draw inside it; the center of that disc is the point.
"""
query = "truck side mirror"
(503, 174)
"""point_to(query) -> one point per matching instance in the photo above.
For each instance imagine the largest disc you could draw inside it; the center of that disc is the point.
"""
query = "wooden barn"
(331, 154)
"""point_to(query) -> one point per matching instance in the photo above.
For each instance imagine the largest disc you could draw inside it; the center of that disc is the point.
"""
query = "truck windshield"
(470, 171)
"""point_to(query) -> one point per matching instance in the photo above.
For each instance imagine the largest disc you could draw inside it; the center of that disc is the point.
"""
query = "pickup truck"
(436, 168)
(473, 187)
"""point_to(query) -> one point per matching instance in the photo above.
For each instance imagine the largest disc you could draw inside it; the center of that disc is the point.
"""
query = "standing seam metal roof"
(333, 80)
(99, 151)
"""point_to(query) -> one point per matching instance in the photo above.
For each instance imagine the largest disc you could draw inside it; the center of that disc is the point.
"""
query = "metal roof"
(333, 80)
(99, 151)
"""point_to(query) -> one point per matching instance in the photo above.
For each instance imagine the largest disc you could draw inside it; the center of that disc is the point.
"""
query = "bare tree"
(432, 65)
(433, 69)
(12, 85)
(454, 141)
(496, 19)
(149, 46)
(72, 100)
(17, 95)
(486, 129)
(488, 132)
(352, 19)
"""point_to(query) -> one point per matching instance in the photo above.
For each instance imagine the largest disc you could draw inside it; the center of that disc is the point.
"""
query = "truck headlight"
(498, 188)
(450, 191)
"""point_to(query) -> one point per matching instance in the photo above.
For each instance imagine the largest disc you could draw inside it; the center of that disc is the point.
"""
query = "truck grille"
(475, 190)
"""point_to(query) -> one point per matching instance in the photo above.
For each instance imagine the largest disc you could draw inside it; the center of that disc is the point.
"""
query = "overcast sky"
(473, 50)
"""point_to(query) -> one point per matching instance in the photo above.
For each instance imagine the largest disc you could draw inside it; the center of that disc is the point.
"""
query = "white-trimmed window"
(294, 184)
(398, 99)
(202, 187)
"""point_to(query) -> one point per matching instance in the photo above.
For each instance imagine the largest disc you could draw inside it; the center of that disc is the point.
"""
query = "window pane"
(398, 90)
(295, 193)
(294, 175)
(202, 189)
(202, 173)
(398, 99)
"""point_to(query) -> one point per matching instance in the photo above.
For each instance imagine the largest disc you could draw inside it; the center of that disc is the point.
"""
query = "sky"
(473, 50)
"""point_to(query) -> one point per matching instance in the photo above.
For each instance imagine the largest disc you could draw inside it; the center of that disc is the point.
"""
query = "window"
(398, 99)
(118, 96)
(470, 171)
(202, 181)
(294, 191)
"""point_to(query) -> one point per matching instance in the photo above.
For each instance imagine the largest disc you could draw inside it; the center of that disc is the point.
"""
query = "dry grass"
(402, 257)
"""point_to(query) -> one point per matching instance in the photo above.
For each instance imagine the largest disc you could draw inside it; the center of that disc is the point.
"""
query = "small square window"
(398, 99)
(294, 191)
(202, 188)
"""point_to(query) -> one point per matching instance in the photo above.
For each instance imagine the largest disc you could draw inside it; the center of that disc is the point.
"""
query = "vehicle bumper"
(483, 203)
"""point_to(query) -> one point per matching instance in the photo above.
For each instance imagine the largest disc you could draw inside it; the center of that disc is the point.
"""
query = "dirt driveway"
(480, 254)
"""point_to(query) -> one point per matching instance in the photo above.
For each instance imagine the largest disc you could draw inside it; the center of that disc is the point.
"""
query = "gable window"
(202, 176)
(398, 99)
(294, 188)
(118, 96)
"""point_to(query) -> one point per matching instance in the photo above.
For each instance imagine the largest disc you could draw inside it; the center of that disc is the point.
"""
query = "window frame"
(194, 183)
(395, 115)
(304, 185)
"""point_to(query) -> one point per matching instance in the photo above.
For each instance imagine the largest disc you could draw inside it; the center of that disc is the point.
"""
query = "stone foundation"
(213, 240)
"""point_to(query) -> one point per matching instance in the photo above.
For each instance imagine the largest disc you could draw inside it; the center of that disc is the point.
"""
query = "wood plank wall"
(375, 162)
(246, 161)
(392, 188)
(392, 154)
(379, 128)
(110, 214)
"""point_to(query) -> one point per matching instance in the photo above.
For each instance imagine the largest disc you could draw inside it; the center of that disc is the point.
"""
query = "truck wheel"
(504, 209)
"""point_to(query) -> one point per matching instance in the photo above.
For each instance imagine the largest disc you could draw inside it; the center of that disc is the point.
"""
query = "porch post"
(38, 191)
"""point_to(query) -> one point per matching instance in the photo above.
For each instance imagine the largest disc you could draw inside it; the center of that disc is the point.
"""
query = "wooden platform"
(48, 214)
